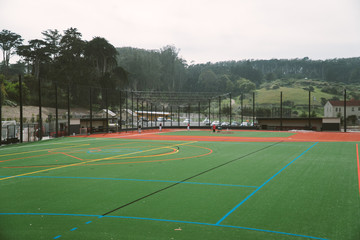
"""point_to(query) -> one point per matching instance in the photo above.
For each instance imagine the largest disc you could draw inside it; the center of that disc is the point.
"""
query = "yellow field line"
(155, 155)
(94, 160)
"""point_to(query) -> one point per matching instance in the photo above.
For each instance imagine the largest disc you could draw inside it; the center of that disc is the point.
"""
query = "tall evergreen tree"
(8, 43)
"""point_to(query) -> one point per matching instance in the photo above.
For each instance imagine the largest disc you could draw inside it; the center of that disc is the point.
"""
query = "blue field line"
(256, 190)
(163, 220)
(137, 180)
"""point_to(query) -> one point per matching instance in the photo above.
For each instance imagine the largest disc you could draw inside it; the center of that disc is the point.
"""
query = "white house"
(336, 108)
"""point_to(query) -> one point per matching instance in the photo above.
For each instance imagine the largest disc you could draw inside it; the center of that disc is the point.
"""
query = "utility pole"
(345, 125)
(281, 112)
(309, 110)
(21, 109)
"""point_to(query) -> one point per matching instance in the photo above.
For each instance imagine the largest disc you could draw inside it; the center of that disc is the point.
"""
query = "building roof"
(111, 113)
(350, 103)
(154, 113)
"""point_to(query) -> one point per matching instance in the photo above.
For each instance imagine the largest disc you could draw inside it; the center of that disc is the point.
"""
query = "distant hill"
(295, 95)
(297, 91)
(165, 70)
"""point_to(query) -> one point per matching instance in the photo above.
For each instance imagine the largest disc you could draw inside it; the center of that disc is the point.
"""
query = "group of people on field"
(160, 127)
(188, 127)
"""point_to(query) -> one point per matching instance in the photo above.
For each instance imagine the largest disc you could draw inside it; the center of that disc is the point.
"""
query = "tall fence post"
(91, 119)
(189, 116)
(199, 114)
(132, 109)
(137, 111)
(142, 113)
(253, 109)
(151, 115)
(68, 107)
(120, 111)
(345, 124)
(126, 111)
(178, 116)
(155, 115)
(163, 115)
(107, 110)
(219, 111)
(56, 111)
(281, 112)
(209, 111)
(242, 108)
(309, 110)
(21, 109)
(147, 113)
(0, 112)
(230, 114)
(40, 113)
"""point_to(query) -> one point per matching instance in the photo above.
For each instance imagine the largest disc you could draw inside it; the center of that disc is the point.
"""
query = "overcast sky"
(203, 30)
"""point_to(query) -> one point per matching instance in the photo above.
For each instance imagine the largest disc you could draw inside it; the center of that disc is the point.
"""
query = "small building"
(336, 108)
(153, 116)
(101, 121)
(331, 124)
(290, 124)
(285, 124)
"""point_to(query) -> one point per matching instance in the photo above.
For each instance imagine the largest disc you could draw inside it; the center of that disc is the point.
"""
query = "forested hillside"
(164, 70)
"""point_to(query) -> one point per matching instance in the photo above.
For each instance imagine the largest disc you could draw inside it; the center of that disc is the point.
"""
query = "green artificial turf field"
(92, 188)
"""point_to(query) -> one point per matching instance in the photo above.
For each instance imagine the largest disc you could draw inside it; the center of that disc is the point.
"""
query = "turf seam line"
(186, 179)
(256, 190)
(136, 180)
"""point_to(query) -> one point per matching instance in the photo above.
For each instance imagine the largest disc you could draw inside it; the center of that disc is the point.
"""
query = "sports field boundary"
(293, 168)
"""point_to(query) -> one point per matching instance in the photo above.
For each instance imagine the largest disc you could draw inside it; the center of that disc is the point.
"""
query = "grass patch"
(297, 95)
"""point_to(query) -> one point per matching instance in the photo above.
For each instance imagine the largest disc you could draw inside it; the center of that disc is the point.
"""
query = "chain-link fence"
(55, 110)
